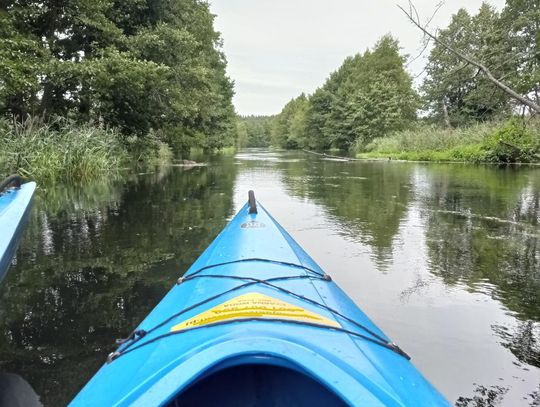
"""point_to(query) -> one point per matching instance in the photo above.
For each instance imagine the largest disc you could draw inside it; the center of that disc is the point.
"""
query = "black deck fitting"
(252, 202)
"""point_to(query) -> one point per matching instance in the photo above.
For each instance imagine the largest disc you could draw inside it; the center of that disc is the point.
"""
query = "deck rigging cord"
(126, 345)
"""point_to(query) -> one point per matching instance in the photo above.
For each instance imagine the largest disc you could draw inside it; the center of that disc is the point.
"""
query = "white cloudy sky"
(277, 49)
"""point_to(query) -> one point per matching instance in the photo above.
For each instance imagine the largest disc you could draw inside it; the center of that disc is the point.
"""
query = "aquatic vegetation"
(59, 150)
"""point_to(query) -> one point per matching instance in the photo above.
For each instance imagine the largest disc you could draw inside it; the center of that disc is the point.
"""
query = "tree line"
(139, 66)
(253, 131)
(371, 95)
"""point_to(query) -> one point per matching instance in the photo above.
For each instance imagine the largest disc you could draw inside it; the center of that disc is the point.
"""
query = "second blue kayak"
(14, 208)
(256, 322)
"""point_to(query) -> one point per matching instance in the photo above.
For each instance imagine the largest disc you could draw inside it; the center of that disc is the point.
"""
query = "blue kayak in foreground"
(14, 209)
(256, 322)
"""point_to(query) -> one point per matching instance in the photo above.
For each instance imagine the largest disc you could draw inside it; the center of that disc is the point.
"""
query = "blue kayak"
(256, 322)
(14, 209)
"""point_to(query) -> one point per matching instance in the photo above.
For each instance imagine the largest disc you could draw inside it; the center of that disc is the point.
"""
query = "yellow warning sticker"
(254, 305)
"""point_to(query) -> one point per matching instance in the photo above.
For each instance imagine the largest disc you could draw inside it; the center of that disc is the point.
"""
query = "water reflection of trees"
(482, 230)
(483, 397)
(369, 200)
(91, 266)
(522, 340)
(482, 227)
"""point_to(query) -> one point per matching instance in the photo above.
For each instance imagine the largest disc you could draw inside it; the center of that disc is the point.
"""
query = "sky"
(277, 49)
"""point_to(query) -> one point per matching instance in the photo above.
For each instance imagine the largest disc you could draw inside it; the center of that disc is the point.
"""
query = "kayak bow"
(256, 322)
(14, 209)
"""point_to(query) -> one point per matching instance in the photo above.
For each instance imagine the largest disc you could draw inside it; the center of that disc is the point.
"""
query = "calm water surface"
(444, 258)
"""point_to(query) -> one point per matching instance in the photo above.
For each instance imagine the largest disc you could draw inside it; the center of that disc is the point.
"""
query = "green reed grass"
(59, 150)
(485, 142)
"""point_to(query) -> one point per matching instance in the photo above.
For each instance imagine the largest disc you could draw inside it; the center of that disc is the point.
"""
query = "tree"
(288, 127)
(470, 59)
(521, 19)
(455, 85)
(137, 65)
(369, 96)
(21, 61)
(317, 114)
(376, 98)
(254, 131)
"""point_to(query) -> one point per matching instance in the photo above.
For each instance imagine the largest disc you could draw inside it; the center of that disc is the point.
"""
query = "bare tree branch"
(426, 40)
(524, 100)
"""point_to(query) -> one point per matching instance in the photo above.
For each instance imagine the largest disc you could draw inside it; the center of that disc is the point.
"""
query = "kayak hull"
(254, 301)
(15, 206)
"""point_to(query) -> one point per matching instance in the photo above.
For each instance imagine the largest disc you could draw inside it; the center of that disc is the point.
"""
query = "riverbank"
(508, 142)
(68, 151)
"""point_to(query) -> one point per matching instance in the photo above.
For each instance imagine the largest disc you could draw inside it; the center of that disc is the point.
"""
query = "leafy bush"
(149, 149)
(511, 143)
(485, 142)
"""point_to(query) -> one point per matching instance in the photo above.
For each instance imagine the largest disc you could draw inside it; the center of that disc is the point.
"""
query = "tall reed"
(57, 150)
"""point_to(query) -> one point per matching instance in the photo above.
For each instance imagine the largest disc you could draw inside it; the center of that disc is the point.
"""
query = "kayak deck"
(256, 307)
(14, 209)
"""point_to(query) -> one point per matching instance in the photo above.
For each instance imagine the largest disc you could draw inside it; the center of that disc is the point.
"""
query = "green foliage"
(288, 128)
(59, 150)
(317, 116)
(376, 97)
(487, 142)
(369, 96)
(142, 67)
(253, 131)
(149, 149)
(21, 61)
(513, 142)
(132, 93)
(431, 137)
(506, 43)
(521, 20)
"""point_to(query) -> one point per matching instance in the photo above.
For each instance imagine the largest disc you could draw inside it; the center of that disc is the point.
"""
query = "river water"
(444, 258)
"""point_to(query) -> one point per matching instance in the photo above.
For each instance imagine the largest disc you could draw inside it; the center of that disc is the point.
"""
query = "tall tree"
(369, 96)
(288, 127)
(471, 57)
(137, 65)
(457, 86)
(254, 131)
(521, 20)
(21, 61)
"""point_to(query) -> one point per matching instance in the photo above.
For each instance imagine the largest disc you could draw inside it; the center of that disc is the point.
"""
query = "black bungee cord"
(126, 344)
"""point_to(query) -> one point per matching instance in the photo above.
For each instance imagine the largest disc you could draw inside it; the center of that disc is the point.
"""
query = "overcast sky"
(277, 49)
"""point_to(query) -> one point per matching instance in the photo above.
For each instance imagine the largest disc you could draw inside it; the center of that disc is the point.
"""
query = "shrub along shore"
(491, 142)
(68, 151)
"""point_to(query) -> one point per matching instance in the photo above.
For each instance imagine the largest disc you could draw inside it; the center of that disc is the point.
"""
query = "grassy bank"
(67, 151)
(511, 141)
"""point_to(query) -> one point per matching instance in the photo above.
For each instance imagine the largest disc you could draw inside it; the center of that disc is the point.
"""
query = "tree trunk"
(47, 100)
(445, 115)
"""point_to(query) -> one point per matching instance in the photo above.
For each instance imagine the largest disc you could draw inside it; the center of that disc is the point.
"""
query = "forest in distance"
(90, 87)
(370, 107)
